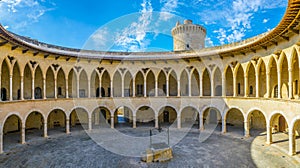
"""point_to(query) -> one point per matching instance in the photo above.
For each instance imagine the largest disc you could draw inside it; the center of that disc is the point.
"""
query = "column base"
(247, 136)
(292, 153)
(268, 143)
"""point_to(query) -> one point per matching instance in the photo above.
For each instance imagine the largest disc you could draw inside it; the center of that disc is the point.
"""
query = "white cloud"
(133, 37)
(19, 13)
(265, 20)
(100, 38)
(208, 42)
(168, 8)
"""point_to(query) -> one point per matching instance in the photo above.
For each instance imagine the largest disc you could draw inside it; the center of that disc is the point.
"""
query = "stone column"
(156, 121)
(22, 88)
(167, 88)
(44, 89)
(77, 87)
(23, 141)
(292, 142)
(90, 123)
(122, 87)
(1, 142)
(200, 86)
(133, 88)
(246, 89)
(111, 88)
(234, 86)
(279, 84)
(67, 88)
(268, 84)
(100, 86)
(10, 87)
(32, 88)
(212, 87)
(89, 88)
(45, 129)
(257, 84)
(68, 126)
(55, 87)
(224, 126)
(224, 85)
(246, 129)
(156, 88)
(201, 124)
(134, 121)
(112, 122)
(178, 88)
(145, 87)
(291, 90)
(190, 86)
(269, 134)
(178, 121)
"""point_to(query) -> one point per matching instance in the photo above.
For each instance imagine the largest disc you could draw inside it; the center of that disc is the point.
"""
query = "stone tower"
(188, 36)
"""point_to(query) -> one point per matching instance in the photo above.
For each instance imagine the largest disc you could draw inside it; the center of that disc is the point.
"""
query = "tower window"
(188, 46)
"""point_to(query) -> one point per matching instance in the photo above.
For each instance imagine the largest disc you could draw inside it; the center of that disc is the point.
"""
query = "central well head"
(188, 36)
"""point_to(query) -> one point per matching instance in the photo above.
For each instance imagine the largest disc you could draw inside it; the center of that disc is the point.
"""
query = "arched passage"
(83, 84)
(145, 116)
(38, 83)
(257, 122)
(94, 85)
(101, 117)
(184, 83)
(251, 81)
(139, 84)
(273, 78)
(206, 85)
(296, 138)
(162, 87)
(240, 81)
(16, 82)
(34, 125)
(173, 84)
(195, 83)
(229, 81)
(56, 121)
(234, 121)
(12, 131)
(117, 84)
(167, 116)
(72, 84)
(279, 127)
(61, 84)
(284, 77)
(79, 119)
(123, 116)
(50, 83)
(295, 68)
(105, 83)
(262, 80)
(128, 84)
(27, 83)
(189, 117)
(217, 82)
(150, 84)
(4, 81)
(212, 119)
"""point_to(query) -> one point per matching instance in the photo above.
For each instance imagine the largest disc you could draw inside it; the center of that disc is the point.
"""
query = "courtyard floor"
(79, 150)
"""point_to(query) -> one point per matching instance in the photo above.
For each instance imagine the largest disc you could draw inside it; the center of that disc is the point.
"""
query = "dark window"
(296, 87)
(59, 91)
(239, 88)
(276, 91)
(251, 90)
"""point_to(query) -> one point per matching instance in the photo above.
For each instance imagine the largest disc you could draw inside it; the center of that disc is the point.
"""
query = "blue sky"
(136, 25)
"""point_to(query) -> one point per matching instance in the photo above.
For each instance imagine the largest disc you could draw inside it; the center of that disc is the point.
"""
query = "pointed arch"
(61, 84)
(195, 83)
(50, 83)
(128, 84)
(117, 84)
(27, 82)
(16, 82)
(173, 85)
(83, 84)
(94, 85)
(240, 81)
(5, 72)
(184, 83)
(139, 84)
(72, 84)
(273, 78)
(284, 70)
(150, 83)
(162, 83)
(206, 85)
(251, 80)
(38, 82)
(295, 68)
(105, 83)
(229, 81)
(262, 79)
